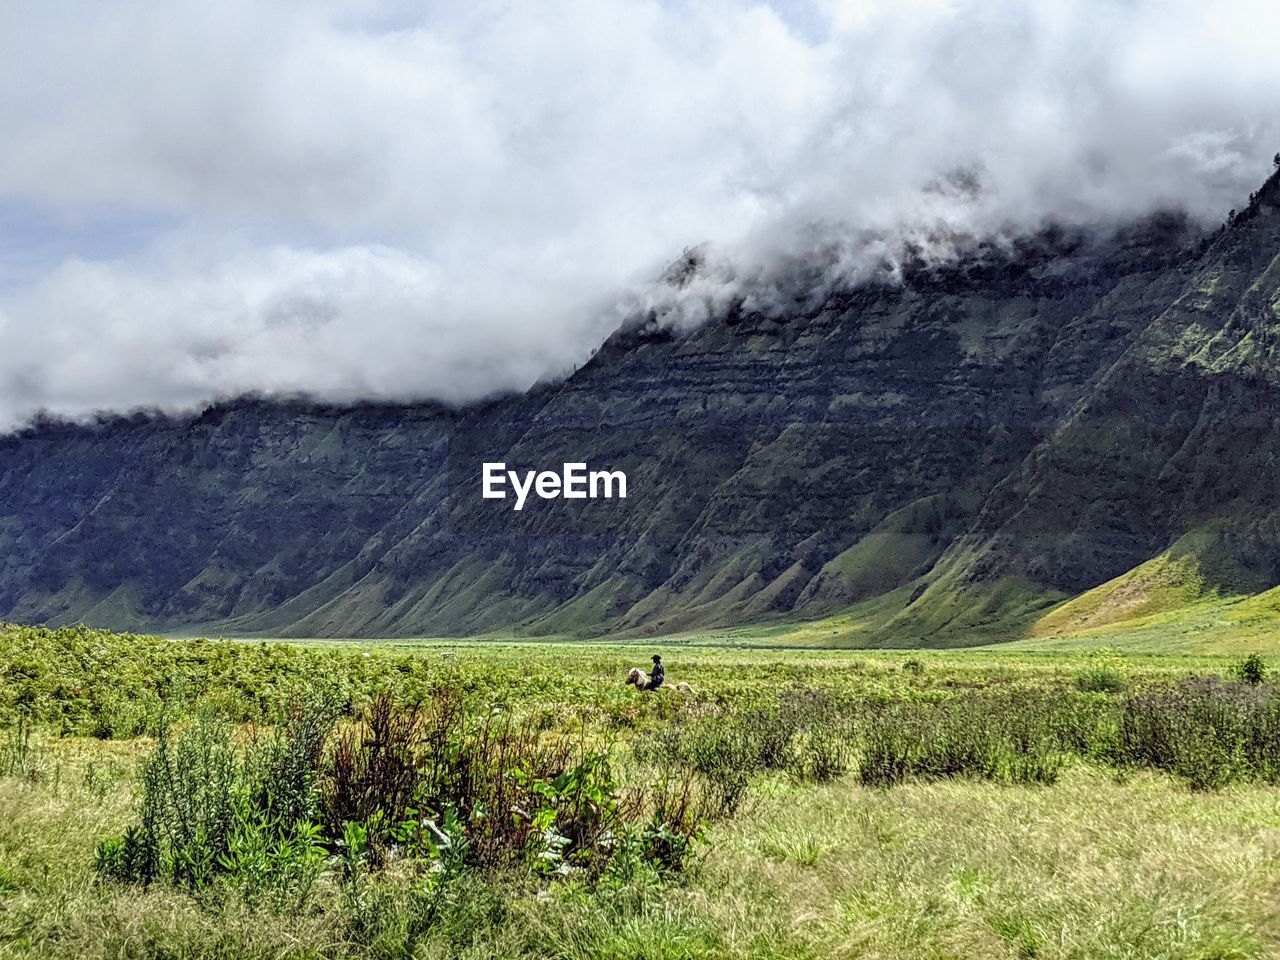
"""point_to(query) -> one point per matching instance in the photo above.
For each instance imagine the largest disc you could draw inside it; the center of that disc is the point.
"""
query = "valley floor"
(1104, 862)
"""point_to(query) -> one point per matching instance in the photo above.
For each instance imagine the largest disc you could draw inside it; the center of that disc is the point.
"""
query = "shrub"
(1205, 731)
(1100, 679)
(980, 736)
(674, 826)
(519, 798)
(518, 794)
(81, 680)
(281, 763)
(822, 754)
(1084, 725)
(1105, 673)
(433, 787)
(890, 752)
(133, 857)
(820, 729)
(265, 859)
(118, 717)
(724, 749)
(188, 800)
(209, 810)
(372, 768)
(1251, 670)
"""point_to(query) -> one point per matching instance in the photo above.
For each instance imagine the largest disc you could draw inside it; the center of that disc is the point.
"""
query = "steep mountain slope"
(1178, 437)
(942, 458)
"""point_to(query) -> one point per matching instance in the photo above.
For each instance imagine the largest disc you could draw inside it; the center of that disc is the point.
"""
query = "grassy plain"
(1100, 860)
(1132, 617)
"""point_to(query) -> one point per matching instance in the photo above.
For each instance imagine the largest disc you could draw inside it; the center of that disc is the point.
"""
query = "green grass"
(1228, 627)
(1091, 867)
(1104, 862)
(1192, 598)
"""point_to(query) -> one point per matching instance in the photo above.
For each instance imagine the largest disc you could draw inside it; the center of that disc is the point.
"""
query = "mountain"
(1052, 436)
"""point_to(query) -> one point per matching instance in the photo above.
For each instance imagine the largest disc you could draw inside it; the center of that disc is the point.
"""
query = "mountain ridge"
(953, 454)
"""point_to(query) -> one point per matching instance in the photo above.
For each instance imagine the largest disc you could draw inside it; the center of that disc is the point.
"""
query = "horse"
(640, 680)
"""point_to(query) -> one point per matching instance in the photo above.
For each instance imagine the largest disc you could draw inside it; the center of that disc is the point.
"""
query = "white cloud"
(374, 202)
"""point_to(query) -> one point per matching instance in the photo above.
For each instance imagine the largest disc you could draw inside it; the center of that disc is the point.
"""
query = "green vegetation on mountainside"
(779, 467)
(938, 462)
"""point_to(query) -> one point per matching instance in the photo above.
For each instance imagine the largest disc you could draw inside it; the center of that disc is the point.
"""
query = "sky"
(377, 199)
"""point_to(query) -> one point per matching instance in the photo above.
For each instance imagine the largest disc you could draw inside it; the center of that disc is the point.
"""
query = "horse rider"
(658, 675)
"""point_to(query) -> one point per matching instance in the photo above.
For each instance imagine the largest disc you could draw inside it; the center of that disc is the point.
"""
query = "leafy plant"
(210, 810)
(265, 858)
(1251, 670)
(189, 796)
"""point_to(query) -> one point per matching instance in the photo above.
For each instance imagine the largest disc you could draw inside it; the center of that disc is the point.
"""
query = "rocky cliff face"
(1175, 444)
(947, 455)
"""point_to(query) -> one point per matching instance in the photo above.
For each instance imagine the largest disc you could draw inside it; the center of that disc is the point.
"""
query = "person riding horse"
(658, 674)
(656, 680)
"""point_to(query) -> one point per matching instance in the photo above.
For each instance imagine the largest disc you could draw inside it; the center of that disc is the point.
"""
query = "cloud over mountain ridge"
(358, 201)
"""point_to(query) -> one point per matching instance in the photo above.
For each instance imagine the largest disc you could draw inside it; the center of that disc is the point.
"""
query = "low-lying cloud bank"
(355, 199)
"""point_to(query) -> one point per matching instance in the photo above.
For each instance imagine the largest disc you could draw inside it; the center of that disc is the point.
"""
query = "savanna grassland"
(194, 798)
